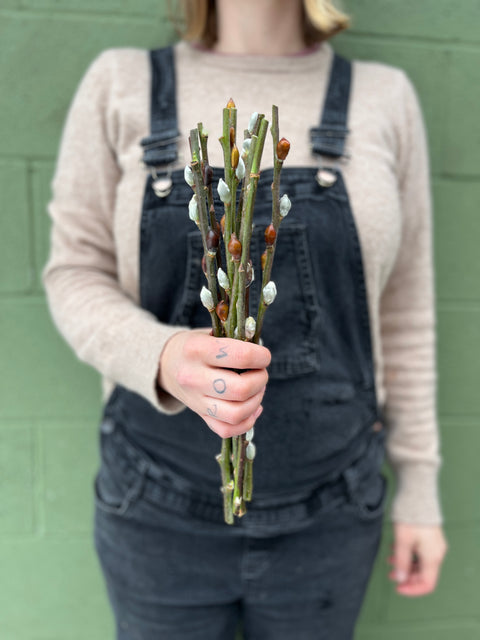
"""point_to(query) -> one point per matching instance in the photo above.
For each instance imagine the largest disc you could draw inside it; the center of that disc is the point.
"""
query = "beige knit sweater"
(92, 275)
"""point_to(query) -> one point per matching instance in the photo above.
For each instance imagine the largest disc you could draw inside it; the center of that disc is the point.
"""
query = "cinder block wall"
(50, 585)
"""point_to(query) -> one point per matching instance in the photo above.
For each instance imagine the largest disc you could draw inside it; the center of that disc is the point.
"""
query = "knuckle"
(183, 377)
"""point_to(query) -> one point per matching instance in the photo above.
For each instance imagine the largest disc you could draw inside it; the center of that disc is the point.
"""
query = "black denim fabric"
(299, 561)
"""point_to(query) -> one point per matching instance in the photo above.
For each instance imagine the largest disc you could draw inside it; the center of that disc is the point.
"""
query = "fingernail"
(400, 576)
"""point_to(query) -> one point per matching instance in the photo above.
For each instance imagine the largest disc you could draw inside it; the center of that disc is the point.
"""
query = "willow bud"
(285, 205)
(250, 451)
(270, 235)
(223, 280)
(235, 247)
(240, 171)
(222, 310)
(250, 327)
(249, 434)
(222, 223)
(283, 147)
(193, 209)
(188, 175)
(247, 143)
(232, 136)
(263, 260)
(250, 274)
(224, 192)
(212, 240)
(204, 266)
(207, 299)
(253, 122)
(269, 292)
(207, 175)
(231, 104)
(234, 156)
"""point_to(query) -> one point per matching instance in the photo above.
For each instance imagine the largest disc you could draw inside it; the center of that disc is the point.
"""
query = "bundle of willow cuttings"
(226, 293)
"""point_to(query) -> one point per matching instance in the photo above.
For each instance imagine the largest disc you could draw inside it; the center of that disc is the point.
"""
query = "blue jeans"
(172, 574)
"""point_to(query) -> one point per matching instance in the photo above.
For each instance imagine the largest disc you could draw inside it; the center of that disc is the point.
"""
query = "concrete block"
(51, 54)
(457, 231)
(16, 273)
(460, 473)
(51, 589)
(41, 376)
(458, 361)
(462, 146)
(17, 473)
(70, 459)
(42, 174)
(430, 20)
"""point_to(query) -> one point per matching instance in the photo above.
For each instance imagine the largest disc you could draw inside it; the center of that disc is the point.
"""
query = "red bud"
(222, 310)
(213, 240)
(270, 235)
(235, 247)
(283, 147)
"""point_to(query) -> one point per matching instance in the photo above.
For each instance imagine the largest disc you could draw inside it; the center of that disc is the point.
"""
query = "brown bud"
(270, 235)
(222, 223)
(230, 104)
(235, 156)
(204, 265)
(232, 136)
(207, 175)
(235, 247)
(213, 239)
(218, 229)
(283, 147)
(222, 310)
(264, 260)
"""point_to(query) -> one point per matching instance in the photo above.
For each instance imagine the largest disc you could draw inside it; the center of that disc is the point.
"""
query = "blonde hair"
(321, 20)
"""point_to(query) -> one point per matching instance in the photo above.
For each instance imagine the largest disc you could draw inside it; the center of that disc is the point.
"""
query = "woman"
(350, 371)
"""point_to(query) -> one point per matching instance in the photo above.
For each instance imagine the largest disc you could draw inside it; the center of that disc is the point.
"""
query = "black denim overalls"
(320, 421)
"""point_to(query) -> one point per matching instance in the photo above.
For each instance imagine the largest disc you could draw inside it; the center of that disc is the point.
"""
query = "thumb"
(402, 560)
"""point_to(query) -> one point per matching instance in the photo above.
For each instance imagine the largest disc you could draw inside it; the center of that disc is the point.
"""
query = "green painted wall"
(50, 585)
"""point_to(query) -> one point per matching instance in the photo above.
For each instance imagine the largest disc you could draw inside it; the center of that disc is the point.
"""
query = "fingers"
(222, 384)
(225, 430)
(418, 554)
(228, 353)
(232, 413)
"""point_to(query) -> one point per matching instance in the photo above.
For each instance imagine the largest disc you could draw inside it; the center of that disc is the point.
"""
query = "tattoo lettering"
(220, 385)
(212, 412)
(222, 354)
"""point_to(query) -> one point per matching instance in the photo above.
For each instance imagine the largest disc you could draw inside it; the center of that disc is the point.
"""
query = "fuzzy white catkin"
(251, 451)
(253, 122)
(250, 327)
(269, 292)
(206, 298)
(193, 208)
(285, 205)
(188, 175)
(224, 191)
(223, 280)
(240, 170)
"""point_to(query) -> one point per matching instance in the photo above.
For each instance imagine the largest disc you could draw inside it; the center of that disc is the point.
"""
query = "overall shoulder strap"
(329, 138)
(160, 147)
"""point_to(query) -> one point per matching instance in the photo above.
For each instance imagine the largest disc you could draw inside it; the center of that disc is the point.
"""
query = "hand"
(196, 368)
(418, 552)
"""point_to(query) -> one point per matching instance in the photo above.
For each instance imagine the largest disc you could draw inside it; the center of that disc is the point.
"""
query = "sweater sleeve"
(102, 324)
(408, 329)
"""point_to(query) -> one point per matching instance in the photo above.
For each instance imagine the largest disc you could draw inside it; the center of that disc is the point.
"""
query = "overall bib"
(320, 438)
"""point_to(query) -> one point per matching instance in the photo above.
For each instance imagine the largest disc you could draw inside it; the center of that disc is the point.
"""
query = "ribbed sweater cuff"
(416, 500)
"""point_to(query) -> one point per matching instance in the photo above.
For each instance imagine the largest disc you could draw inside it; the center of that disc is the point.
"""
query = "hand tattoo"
(223, 353)
(220, 385)
(212, 412)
